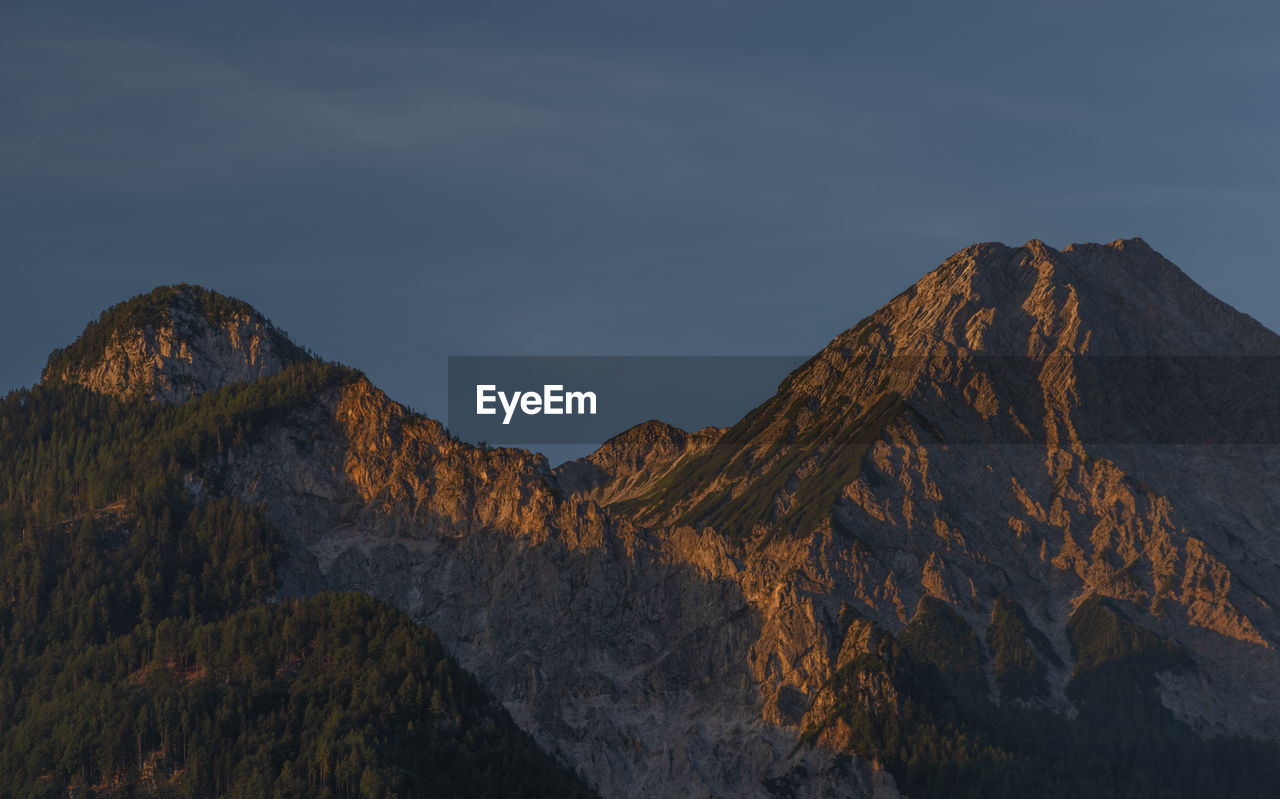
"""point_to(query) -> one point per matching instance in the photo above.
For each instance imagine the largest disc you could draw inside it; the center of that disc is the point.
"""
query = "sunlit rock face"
(173, 344)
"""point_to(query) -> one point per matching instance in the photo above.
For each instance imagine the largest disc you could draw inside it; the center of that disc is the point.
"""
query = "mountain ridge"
(739, 611)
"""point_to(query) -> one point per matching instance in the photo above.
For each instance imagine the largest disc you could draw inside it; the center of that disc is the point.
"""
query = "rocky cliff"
(979, 478)
(625, 650)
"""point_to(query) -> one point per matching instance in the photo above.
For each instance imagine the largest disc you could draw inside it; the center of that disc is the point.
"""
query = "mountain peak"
(1134, 243)
(1121, 298)
(628, 463)
(171, 344)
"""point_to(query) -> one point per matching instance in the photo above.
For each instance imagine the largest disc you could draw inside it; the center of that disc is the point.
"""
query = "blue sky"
(393, 183)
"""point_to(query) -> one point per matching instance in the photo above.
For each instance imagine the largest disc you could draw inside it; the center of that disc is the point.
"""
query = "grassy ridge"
(830, 449)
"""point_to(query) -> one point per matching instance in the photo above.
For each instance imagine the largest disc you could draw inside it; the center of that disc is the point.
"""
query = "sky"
(394, 183)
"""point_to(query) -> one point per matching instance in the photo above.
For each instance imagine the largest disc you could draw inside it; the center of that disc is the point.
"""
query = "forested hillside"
(140, 651)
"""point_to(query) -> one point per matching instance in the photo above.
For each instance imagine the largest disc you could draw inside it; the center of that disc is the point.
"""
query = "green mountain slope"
(139, 652)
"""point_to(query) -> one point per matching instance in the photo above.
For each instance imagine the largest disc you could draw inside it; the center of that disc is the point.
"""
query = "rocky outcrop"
(628, 464)
(173, 344)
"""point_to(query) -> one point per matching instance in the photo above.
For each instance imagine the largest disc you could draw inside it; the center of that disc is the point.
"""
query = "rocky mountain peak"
(1122, 298)
(1031, 306)
(985, 348)
(172, 344)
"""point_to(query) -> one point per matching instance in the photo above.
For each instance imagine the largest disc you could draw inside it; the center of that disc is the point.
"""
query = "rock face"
(667, 614)
(624, 650)
(172, 344)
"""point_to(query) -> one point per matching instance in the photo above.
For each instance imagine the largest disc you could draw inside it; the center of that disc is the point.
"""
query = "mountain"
(1012, 534)
(145, 648)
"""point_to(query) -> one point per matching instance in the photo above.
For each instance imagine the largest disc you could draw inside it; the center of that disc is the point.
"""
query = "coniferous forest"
(142, 651)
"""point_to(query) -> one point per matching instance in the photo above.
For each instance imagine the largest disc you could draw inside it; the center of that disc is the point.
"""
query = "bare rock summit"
(172, 344)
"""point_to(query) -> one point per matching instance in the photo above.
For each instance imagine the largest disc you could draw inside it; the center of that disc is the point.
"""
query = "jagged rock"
(628, 464)
(623, 652)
